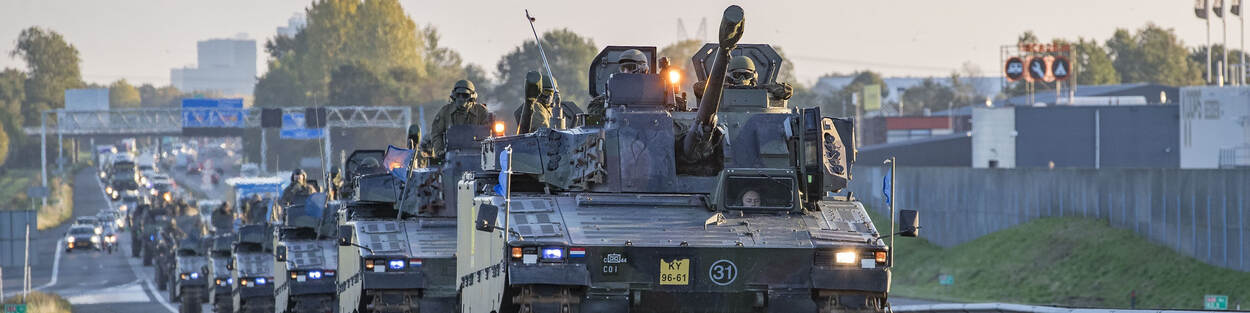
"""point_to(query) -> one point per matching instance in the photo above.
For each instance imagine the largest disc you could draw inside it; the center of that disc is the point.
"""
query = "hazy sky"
(140, 40)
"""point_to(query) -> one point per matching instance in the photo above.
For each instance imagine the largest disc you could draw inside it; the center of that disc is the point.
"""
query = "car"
(91, 221)
(118, 219)
(82, 236)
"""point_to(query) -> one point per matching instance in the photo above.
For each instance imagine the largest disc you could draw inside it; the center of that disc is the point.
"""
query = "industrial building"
(226, 66)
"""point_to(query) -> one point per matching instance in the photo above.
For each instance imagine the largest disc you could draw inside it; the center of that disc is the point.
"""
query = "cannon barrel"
(731, 28)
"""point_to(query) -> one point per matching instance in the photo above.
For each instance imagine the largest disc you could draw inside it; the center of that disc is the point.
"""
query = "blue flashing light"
(396, 264)
(195, 275)
(314, 274)
(553, 253)
(260, 281)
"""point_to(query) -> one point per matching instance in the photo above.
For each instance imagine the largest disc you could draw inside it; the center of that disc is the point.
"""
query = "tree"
(123, 95)
(1153, 55)
(840, 101)
(372, 34)
(570, 55)
(4, 147)
(151, 96)
(12, 95)
(1093, 65)
(929, 94)
(52, 67)
(443, 67)
(355, 84)
(1199, 56)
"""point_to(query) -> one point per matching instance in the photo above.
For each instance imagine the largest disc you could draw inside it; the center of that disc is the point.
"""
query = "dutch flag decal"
(577, 252)
(414, 262)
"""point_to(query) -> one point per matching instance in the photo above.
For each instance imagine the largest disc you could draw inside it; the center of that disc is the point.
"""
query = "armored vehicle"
(305, 257)
(219, 258)
(186, 224)
(729, 208)
(251, 269)
(153, 223)
(189, 274)
(398, 231)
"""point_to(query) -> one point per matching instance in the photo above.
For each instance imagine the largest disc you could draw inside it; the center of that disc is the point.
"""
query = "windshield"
(759, 192)
(82, 231)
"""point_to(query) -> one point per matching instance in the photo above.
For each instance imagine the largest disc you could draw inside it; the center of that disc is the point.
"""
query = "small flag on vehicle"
(577, 252)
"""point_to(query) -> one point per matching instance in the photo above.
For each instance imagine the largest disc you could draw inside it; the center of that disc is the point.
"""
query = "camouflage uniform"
(536, 112)
(741, 74)
(459, 111)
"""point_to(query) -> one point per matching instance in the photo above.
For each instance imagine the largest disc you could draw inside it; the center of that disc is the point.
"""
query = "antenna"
(556, 106)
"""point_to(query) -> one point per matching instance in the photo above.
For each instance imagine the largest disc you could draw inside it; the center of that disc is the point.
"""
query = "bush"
(38, 302)
(60, 204)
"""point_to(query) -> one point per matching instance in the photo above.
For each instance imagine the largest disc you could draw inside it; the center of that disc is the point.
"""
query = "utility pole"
(1202, 11)
(1219, 11)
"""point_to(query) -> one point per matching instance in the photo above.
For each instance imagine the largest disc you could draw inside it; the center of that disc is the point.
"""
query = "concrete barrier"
(1199, 213)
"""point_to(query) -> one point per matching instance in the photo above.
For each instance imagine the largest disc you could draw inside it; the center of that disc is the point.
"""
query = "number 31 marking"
(723, 272)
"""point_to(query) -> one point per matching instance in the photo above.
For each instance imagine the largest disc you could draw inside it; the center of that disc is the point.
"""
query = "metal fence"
(1199, 213)
(13, 236)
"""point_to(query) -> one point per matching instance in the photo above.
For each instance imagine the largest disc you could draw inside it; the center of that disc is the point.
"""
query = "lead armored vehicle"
(398, 231)
(730, 208)
(187, 279)
(306, 258)
(251, 269)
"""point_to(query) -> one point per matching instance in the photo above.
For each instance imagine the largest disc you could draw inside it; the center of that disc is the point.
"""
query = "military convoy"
(732, 203)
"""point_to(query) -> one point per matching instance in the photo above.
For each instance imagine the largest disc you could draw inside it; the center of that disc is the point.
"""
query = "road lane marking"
(158, 296)
(129, 293)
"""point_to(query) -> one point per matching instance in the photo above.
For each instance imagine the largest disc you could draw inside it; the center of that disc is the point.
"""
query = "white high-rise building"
(227, 66)
(293, 25)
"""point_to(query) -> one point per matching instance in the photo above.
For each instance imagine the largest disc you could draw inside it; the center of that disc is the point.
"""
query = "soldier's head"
(298, 176)
(414, 137)
(751, 198)
(533, 84)
(463, 92)
(742, 72)
(633, 61)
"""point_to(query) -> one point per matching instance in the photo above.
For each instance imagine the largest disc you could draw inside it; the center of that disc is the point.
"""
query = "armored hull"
(404, 266)
(305, 282)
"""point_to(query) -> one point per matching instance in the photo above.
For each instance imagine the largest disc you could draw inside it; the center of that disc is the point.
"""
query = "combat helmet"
(632, 61)
(742, 71)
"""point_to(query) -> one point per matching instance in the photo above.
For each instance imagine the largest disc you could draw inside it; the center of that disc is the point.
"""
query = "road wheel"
(190, 303)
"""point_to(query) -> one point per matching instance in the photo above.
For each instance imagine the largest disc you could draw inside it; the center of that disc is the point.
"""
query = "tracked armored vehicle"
(730, 208)
(251, 269)
(219, 258)
(398, 231)
(306, 258)
(189, 275)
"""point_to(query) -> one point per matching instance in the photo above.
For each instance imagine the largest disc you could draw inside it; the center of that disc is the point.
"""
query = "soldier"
(630, 61)
(741, 74)
(298, 188)
(335, 183)
(751, 198)
(536, 112)
(419, 157)
(463, 109)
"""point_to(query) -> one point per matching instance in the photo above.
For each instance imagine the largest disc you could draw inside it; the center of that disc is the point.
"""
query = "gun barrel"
(731, 28)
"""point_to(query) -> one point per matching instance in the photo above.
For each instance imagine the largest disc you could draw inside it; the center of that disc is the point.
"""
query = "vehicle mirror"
(909, 221)
(487, 215)
(345, 235)
(280, 254)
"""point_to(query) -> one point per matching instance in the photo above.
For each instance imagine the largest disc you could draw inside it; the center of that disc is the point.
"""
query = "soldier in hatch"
(463, 109)
(298, 188)
(536, 112)
(630, 61)
(741, 74)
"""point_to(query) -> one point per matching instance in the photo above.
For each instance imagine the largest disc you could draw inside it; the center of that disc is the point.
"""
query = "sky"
(141, 40)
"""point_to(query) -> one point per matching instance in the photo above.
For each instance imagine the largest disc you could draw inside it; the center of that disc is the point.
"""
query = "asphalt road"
(92, 281)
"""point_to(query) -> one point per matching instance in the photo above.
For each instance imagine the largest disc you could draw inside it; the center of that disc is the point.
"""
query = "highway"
(92, 281)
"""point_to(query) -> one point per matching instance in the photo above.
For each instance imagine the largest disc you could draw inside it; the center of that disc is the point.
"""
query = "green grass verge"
(38, 302)
(1063, 262)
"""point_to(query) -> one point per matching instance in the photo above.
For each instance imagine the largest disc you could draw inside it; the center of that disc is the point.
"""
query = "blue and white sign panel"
(293, 128)
(212, 113)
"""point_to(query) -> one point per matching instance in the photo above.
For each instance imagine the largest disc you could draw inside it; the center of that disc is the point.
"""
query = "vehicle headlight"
(153, 192)
(195, 275)
(845, 257)
(95, 239)
(108, 190)
(99, 230)
(102, 175)
(168, 197)
(184, 276)
(70, 239)
(123, 208)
